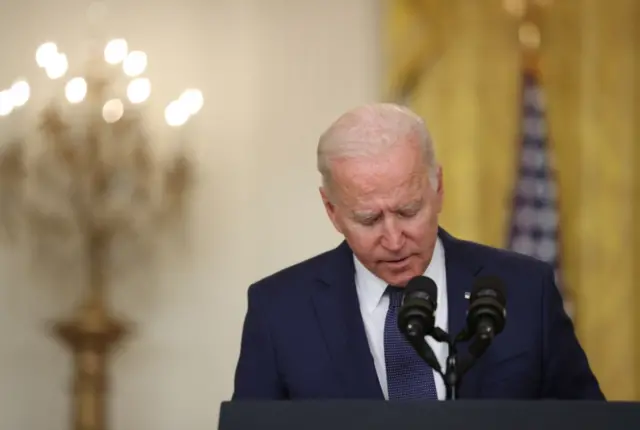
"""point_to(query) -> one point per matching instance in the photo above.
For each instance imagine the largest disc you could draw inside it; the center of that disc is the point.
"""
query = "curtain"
(458, 64)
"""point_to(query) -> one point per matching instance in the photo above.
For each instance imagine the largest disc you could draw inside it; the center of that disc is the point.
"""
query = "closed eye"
(408, 213)
(369, 221)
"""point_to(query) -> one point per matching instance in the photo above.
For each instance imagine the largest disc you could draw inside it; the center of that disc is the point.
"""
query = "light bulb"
(176, 114)
(112, 110)
(139, 90)
(76, 90)
(6, 103)
(193, 100)
(116, 51)
(20, 93)
(57, 66)
(135, 64)
(46, 53)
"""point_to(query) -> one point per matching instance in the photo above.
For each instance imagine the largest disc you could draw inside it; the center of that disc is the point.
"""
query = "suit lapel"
(461, 268)
(338, 312)
(459, 282)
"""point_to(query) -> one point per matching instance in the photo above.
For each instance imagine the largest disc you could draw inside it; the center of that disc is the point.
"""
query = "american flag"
(535, 219)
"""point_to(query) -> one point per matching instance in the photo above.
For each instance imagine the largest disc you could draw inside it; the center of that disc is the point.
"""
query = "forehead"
(393, 179)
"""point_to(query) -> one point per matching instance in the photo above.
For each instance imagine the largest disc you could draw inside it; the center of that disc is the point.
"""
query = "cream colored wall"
(274, 74)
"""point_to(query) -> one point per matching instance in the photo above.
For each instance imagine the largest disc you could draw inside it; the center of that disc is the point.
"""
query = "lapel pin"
(467, 295)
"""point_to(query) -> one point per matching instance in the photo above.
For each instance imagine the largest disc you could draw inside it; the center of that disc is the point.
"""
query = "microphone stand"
(451, 376)
(456, 368)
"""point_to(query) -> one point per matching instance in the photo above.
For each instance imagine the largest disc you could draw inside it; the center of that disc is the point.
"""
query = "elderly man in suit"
(326, 328)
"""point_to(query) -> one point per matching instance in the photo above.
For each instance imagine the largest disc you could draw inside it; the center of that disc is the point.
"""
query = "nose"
(393, 237)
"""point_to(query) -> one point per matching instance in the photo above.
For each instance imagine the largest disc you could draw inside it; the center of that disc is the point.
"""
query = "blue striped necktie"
(408, 376)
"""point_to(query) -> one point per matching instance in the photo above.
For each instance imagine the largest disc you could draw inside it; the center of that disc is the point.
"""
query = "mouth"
(397, 262)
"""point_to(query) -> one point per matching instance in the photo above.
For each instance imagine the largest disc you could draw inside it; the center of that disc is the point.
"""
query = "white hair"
(371, 130)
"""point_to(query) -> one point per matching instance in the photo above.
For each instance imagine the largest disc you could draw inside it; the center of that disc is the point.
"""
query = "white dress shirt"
(374, 305)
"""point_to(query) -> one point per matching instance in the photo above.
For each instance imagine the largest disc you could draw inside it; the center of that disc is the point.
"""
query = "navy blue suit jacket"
(304, 338)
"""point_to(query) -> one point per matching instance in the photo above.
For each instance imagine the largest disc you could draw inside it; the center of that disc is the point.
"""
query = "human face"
(387, 211)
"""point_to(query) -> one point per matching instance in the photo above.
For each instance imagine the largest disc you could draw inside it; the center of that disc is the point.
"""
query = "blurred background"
(534, 108)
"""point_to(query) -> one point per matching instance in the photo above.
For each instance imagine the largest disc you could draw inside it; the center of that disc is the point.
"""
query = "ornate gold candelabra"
(85, 183)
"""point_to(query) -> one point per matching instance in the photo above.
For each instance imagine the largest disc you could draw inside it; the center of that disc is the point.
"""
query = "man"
(327, 327)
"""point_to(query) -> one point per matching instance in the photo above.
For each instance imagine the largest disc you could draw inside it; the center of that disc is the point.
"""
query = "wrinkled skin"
(387, 211)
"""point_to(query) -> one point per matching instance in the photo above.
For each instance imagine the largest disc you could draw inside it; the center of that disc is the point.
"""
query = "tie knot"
(395, 296)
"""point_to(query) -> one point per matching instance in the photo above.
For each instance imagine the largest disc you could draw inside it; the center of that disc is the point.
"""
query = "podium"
(431, 415)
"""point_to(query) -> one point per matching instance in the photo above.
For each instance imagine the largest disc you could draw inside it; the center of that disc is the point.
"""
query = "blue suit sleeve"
(256, 375)
(567, 374)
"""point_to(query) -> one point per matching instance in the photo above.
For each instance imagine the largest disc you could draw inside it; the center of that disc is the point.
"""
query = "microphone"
(487, 312)
(416, 317)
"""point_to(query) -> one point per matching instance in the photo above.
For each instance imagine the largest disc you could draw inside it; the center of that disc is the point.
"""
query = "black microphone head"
(416, 317)
(487, 303)
(489, 287)
(421, 287)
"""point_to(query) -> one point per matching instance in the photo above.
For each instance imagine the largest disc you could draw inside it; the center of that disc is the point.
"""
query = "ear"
(440, 189)
(331, 209)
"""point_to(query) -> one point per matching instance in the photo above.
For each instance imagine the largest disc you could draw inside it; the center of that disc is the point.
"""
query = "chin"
(399, 279)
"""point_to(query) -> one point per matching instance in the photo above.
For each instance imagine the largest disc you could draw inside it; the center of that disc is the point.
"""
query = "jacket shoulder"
(289, 279)
(504, 260)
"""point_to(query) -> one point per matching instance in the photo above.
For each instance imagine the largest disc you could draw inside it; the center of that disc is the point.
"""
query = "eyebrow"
(366, 215)
(414, 205)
